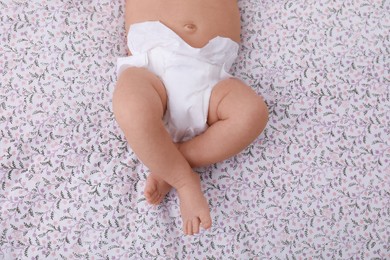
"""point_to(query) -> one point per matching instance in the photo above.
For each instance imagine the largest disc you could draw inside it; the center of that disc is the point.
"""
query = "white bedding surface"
(315, 184)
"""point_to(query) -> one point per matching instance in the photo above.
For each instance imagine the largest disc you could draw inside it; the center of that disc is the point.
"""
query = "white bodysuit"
(188, 74)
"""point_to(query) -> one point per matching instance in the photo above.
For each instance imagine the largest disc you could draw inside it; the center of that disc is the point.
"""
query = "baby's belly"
(196, 21)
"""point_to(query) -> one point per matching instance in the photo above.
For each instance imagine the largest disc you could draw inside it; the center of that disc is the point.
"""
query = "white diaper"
(189, 74)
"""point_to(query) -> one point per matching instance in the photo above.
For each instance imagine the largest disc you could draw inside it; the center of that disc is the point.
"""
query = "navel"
(190, 27)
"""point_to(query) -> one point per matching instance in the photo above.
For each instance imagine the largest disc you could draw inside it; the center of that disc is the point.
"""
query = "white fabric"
(189, 74)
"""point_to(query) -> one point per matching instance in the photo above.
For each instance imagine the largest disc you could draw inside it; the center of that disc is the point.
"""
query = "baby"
(175, 101)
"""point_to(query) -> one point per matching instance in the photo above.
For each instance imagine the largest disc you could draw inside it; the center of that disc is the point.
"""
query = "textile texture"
(314, 185)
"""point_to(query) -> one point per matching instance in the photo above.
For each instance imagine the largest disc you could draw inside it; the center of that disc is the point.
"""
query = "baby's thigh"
(139, 85)
(234, 100)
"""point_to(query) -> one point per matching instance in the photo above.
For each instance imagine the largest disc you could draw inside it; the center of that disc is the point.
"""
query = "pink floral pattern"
(314, 185)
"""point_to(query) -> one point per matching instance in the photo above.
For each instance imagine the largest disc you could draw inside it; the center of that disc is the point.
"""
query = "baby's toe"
(206, 221)
(151, 196)
(195, 225)
(156, 198)
(187, 227)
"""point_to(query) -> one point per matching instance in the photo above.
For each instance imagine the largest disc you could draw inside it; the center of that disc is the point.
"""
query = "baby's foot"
(155, 189)
(194, 208)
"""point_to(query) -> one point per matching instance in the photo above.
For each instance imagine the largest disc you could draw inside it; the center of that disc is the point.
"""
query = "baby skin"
(236, 114)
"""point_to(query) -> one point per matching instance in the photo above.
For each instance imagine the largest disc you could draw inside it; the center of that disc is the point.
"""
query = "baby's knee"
(260, 106)
(257, 113)
(138, 93)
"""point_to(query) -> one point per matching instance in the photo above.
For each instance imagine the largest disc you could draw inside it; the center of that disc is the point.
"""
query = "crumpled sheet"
(315, 184)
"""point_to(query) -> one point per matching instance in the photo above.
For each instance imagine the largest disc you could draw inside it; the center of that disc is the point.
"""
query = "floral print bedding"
(314, 185)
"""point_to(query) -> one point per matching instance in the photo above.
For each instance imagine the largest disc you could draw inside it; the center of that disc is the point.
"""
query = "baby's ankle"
(191, 182)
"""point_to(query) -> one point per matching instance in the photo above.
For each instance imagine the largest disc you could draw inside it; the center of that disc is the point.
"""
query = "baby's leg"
(139, 103)
(237, 115)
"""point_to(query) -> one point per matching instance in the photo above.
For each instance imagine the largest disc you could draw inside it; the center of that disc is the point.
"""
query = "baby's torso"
(195, 21)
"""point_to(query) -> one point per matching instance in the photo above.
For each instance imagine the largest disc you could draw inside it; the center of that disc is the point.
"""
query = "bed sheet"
(314, 185)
